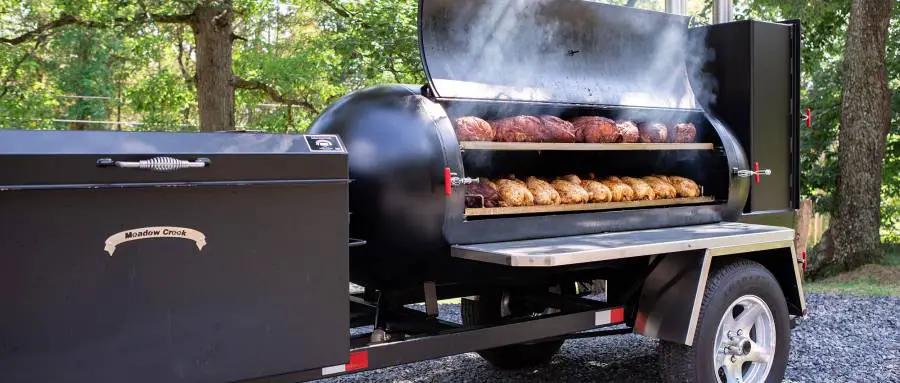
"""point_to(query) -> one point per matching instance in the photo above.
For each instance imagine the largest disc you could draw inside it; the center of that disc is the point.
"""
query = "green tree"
(301, 53)
(864, 129)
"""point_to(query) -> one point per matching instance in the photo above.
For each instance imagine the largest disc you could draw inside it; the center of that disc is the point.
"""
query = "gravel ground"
(844, 339)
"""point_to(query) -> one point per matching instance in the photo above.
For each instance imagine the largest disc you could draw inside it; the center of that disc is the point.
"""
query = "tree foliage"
(824, 24)
(137, 64)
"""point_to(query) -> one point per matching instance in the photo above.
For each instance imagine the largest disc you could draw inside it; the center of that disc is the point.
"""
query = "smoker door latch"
(756, 172)
(456, 180)
(452, 179)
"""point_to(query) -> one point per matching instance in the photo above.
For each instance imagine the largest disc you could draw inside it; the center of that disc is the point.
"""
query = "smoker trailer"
(223, 257)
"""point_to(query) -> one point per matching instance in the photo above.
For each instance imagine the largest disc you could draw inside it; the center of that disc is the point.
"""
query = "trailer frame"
(679, 258)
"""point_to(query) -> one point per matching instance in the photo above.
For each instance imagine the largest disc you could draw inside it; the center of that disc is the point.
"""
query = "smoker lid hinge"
(426, 91)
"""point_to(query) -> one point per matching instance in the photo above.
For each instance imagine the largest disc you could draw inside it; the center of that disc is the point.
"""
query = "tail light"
(803, 258)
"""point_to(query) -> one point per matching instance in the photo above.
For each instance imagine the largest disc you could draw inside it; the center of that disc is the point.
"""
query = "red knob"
(447, 186)
(756, 169)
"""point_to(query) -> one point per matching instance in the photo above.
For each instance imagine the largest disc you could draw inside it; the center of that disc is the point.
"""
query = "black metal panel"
(756, 83)
(256, 287)
(783, 218)
(667, 299)
(69, 158)
(567, 51)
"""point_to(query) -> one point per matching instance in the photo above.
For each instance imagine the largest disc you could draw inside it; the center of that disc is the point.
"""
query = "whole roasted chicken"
(514, 192)
(598, 191)
(570, 192)
(685, 187)
(642, 191)
(544, 193)
(661, 188)
(620, 191)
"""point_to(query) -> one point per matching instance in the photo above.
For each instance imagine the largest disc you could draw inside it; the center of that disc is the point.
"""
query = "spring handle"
(157, 164)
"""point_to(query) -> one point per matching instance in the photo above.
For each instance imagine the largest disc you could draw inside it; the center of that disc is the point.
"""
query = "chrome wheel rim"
(745, 341)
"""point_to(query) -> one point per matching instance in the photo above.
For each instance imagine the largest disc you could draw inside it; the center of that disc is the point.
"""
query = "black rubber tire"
(485, 311)
(727, 282)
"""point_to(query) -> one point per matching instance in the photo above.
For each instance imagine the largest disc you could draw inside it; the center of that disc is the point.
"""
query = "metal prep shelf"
(561, 251)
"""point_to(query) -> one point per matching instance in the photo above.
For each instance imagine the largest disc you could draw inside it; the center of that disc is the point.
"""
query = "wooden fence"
(817, 226)
(810, 227)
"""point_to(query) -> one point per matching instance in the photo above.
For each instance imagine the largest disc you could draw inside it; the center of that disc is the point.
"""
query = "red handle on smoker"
(756, 169)
(447, 186)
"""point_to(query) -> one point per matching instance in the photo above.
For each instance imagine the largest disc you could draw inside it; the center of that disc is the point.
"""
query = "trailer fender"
(669, 303)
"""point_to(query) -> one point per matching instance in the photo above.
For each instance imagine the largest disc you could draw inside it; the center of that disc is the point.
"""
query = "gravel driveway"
(844, 339)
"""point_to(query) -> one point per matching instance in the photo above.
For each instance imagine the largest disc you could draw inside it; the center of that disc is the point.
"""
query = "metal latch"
(455, 180)
(756, 172)
(452, 179)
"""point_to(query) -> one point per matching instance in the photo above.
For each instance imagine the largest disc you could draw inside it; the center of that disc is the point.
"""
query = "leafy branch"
(274, 94)
(12, 73)
(65, 20)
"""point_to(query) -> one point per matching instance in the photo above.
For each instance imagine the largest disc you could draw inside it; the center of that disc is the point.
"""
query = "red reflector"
(808, 117)
(358, 361)
(447, 186)
(640, 322)
(803, 257)
(617, 315)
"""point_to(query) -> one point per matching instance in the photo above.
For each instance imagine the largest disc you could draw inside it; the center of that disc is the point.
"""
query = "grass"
(870, 280)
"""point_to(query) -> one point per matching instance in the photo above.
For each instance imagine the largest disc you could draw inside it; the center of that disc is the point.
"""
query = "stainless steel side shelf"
(574, 250)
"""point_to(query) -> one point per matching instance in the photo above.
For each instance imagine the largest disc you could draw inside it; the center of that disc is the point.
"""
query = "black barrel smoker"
(495, 59)
(218, 257)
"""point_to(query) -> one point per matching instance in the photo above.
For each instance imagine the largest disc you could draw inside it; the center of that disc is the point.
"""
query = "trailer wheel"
(489, 309)
(743, 331)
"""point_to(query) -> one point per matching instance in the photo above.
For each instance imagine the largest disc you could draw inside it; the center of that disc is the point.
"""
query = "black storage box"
(228, 262)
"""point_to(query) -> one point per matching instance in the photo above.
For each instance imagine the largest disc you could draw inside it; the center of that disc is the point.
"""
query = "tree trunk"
(865, 122)
(212, 28)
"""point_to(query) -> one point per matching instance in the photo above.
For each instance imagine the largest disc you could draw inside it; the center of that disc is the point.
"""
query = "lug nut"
(740, 333)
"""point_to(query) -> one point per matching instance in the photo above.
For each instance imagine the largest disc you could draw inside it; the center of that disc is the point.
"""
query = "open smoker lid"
(566, 51)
